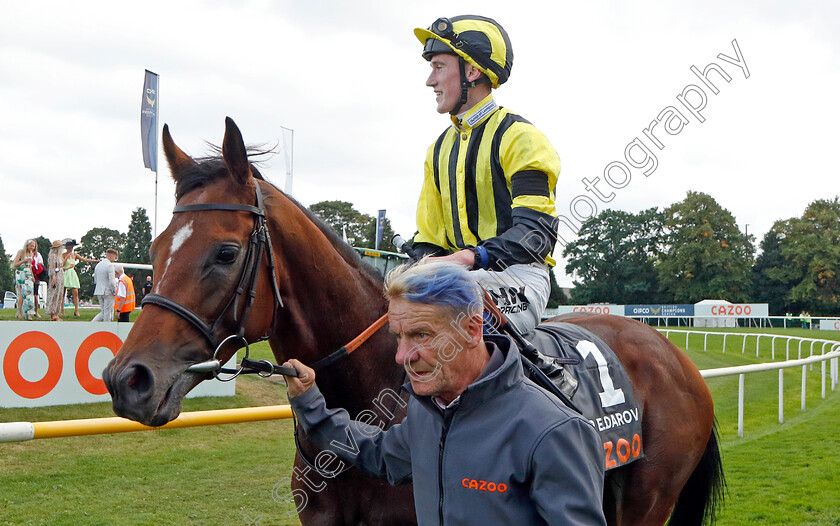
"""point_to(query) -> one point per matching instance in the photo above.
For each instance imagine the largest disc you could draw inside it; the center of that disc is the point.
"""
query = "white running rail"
(832, 356)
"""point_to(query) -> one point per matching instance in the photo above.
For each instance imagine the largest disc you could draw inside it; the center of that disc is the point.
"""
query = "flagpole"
(149, 107)
(157, 157)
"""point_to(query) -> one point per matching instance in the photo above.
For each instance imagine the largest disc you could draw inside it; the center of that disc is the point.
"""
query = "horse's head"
(207, 264)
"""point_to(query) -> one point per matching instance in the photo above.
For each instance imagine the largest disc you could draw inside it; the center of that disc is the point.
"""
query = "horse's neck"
(329, 321)
(329, 301)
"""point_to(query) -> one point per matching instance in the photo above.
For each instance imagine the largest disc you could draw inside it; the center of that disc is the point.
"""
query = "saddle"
(594, 382)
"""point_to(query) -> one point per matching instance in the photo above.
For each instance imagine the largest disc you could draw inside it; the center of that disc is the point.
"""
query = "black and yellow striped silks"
(490, 182)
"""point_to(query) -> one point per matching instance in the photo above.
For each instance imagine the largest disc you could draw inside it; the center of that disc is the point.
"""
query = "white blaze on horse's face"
(178, 239)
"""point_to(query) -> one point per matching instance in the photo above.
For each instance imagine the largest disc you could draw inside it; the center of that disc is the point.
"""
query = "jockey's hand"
(305, 380)
(464, 257)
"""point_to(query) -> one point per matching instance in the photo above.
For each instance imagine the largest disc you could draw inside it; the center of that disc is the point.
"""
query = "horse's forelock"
(204, 172)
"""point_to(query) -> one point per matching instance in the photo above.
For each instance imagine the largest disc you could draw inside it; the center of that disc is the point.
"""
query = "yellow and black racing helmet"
(478, 40)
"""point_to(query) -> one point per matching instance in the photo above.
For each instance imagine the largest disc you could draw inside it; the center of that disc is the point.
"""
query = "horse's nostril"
(139, 381)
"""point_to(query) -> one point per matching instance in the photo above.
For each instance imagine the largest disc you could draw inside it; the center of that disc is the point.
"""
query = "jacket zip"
(447, 419)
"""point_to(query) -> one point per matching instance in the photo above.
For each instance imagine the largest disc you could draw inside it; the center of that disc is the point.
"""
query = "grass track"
(777, 474)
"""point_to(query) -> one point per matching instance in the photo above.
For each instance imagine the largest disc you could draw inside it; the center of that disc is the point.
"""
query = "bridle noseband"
(259, 243)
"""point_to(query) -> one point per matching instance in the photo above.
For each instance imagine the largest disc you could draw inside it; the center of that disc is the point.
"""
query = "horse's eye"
(227, 255)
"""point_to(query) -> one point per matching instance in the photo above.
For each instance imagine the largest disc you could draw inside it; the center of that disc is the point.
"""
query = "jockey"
(487, 199)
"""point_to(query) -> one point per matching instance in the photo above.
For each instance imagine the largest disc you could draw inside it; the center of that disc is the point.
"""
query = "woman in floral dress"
(55, 287)
(25, 280)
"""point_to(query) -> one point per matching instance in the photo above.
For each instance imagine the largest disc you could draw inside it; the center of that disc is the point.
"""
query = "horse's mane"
(208, 169)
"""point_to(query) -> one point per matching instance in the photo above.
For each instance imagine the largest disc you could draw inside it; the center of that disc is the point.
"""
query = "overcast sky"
(348, 78)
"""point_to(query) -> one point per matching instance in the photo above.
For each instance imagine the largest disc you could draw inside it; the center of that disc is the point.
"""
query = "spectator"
(24, 280)
(124, 300)
(105, 285)
(147, 287)
(71, 280)
(55, 287)
(38, 275)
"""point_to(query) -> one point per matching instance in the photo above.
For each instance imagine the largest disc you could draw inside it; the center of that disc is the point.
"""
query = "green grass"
(777, 474)
(85, 314)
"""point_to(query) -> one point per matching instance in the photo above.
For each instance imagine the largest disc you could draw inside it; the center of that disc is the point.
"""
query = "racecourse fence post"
(804, 373)
(741, 405)
(781, 396)
(822, 374)
(724, 342)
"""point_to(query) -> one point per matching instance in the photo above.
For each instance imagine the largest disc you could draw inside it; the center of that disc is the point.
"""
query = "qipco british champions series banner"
(148, 120)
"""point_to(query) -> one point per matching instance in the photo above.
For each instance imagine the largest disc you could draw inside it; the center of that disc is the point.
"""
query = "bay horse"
(243, 255)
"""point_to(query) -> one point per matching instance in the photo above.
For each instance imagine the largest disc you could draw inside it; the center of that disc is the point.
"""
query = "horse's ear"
(234, 152)
(177, 159)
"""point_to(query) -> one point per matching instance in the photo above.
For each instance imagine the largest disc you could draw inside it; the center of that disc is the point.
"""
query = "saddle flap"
(605, 394)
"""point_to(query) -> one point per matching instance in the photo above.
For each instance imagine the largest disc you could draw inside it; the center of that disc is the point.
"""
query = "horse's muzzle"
(132, 389)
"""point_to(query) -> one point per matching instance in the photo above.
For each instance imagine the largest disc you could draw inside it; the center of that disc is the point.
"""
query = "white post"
(804, 373)
(781, 396)
(705, 340)
(822, 372)
(757, 344)
(741, 405)
(724, 342)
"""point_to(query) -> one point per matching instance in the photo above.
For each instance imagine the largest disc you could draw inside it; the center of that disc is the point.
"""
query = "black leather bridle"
(246, 288)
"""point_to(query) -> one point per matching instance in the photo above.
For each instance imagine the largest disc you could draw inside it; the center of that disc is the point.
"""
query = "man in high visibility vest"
(124, 301)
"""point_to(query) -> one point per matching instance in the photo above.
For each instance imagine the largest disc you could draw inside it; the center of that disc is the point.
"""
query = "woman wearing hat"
(71, 279)
(55, 287)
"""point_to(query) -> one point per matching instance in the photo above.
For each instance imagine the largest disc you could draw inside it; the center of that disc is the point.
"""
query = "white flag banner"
(288, 142)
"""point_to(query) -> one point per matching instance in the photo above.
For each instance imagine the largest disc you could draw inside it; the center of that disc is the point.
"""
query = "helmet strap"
(465, 85)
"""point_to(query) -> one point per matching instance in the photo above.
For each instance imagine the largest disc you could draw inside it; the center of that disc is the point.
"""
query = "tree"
(7, 276)
(360, 228)
(770, 284)
(387, 234)
(811, 249)
(44, 246)
(556, 297)
(94, 245)
(614, 256)
(138, 240)
(707, 255)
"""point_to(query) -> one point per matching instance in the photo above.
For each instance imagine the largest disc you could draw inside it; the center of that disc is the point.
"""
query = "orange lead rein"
(367, 333)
